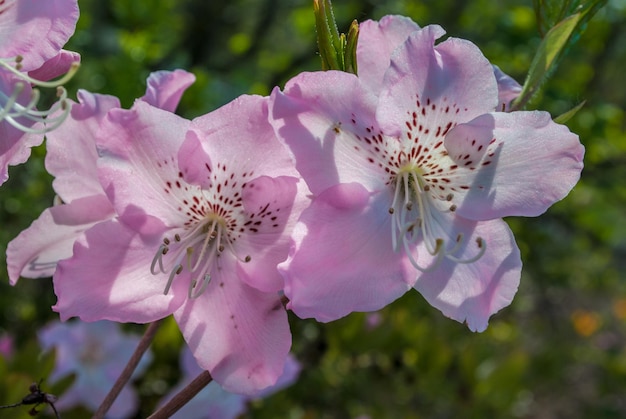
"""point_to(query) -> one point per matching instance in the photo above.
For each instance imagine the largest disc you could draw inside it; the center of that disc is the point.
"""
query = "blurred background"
(559, 351)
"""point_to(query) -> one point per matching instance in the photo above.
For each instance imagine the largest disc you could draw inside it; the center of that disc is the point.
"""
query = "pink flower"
(71, 158)
(213, 402)
(32, 34)
(97, 353)
(411, 170)
(205, 211)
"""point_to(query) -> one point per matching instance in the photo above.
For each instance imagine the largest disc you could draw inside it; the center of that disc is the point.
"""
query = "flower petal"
(34, 253)
(472, 292)
(273, 206)
(55, 66)
(342, 258)
(377, 41)
(508, 88)
(239, 334)
(36, 30)
(239, 130)
(329, 131)
(108, 277)
(454, 84)
(74, 167)
(520, 164)
(143, 144)
(165, 88)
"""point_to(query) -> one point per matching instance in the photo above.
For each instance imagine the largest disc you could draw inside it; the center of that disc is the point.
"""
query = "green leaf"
(550, 50)
(564, 117)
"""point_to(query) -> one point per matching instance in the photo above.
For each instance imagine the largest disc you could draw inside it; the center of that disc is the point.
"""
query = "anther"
(452, 207)
(449, 197)
(177, 237)
(166, 240)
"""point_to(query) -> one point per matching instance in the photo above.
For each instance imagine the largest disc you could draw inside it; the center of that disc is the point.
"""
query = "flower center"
(414, 217)
(195, 249)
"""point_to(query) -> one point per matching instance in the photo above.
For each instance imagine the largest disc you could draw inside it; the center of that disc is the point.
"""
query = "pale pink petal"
(34, 253)
(472, 292)
(240, 128)
(330, 132)
(108, 277)
(143, 144)
(429, 88)
(377, 41)
(508, 88)
(240, 335)
(342, 258)
(516, 163)
(194, 162)
(269, 204)
(36, 30)
(165, 88)
(55, 66)
(71, 148)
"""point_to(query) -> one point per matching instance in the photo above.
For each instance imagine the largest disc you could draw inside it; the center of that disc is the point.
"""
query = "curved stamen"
(6, 64)
(194, 292)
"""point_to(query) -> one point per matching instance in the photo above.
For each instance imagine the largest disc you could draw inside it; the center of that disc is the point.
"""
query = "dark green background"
(559, 351)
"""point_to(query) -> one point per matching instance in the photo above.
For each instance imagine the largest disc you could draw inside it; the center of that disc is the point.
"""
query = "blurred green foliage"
(558, 351)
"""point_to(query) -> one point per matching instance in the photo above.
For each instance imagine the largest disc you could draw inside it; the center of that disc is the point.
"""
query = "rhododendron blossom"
(412, 168)
(204, 210)
(32, 34)
(96, 353)
(71, 158)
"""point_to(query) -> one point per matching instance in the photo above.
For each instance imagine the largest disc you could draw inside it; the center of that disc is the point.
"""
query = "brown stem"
(143, 345)
(180, 399)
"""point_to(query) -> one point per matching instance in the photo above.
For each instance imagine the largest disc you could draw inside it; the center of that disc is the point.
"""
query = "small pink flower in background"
(204, 211)
(32, 34)
(213, 402)
(412, 169)
(71, 158)
(97, 353)
(6, 345)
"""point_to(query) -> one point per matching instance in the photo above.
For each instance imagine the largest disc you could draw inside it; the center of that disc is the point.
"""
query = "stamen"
(158, 257)
(176, 271)
(408, 227)
(194, 292)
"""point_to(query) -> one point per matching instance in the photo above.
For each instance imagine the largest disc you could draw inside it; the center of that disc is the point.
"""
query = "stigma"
(415, 215)
(197, 250)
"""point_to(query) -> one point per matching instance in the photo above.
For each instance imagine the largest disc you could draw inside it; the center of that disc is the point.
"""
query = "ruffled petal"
(377, 41)
(108, 278)
(239, 334)
(516, 163)
(34, 253)
(165, 88)
(429, 88)
(71, 148)
(342, 258)
(472, 292)
(143, 144)
(36, 30)
(331, 132)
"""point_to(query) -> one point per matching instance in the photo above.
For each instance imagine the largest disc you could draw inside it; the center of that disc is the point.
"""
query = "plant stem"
(180, 399)
(143, 345)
